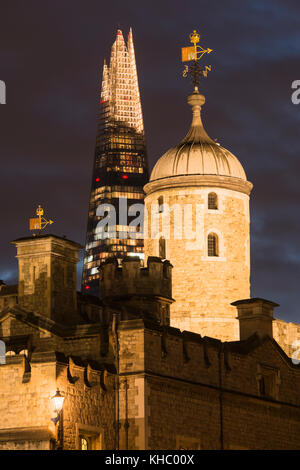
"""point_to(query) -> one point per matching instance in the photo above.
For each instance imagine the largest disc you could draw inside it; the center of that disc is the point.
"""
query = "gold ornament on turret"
(39, 222)
(193, 54)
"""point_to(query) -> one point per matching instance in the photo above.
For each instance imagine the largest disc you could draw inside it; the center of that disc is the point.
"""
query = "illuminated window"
(212, 201)
(10, 353)
(162, 248)
(84, 443)
(212, 245)
(24, 352)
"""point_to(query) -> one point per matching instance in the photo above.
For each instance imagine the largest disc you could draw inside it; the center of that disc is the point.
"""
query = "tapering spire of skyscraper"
(120, 166)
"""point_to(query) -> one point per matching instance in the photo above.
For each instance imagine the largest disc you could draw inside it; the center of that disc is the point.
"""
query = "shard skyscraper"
(120, 164)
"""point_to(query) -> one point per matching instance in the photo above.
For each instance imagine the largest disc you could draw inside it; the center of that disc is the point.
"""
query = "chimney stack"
(255, 316)
(47, 276)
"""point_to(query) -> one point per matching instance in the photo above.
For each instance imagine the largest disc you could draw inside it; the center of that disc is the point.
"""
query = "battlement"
(185, 355)
(130, 278)
(142, 291)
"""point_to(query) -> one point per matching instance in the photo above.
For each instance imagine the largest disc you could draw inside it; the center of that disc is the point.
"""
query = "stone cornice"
(48, 237)
(188, 181)
(31, 433)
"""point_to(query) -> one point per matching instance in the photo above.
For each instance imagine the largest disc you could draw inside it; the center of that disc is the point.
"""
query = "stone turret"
(201, 193)
(47, 276)
(139, 292)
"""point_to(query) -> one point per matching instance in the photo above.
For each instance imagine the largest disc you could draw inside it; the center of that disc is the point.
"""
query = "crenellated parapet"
(130, 278)
(140, 291)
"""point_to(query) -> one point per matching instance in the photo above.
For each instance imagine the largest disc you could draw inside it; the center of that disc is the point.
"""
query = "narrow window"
(212, 201)
(160, 204)
(262, 386)
(84, 443)
(212, 245)
(267, 385)
(162, 248)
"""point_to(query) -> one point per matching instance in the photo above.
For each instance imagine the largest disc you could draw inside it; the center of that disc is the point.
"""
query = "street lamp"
(58, 401)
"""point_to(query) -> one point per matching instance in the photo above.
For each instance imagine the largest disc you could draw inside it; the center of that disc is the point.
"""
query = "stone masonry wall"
(27, 408)
(203, 286)
(188, 403)
(25, 405)
(287, 334)
(133, 419)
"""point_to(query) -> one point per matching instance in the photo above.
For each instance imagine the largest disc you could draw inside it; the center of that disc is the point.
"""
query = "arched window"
(160, 202)
(212, 201)
(10, 353)
(24, 351)
(212, 245)
(162, 248)
(84, 444)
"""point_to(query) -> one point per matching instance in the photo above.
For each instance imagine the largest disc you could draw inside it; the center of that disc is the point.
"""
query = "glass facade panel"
(120, 165)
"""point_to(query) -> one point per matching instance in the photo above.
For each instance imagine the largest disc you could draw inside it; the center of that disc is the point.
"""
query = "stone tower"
(47, 277)
(197, 203)
(140, 292)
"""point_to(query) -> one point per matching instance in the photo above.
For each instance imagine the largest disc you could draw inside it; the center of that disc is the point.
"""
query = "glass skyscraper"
(120, 165)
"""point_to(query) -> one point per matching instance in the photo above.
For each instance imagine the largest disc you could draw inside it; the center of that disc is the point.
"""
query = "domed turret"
(197, 153)
(197, 207)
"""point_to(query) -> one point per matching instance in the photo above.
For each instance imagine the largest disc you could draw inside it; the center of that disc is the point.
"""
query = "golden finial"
(39, 222)
(39, 211)
(195, 53)
(194, 37)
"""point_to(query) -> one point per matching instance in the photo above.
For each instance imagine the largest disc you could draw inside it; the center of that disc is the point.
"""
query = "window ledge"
(214, 211)
(213, 258)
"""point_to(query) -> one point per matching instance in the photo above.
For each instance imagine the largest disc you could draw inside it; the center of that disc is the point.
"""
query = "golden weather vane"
(39, 222)
(195, 53)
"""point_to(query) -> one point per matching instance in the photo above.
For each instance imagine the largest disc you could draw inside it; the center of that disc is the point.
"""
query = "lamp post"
(58, 400)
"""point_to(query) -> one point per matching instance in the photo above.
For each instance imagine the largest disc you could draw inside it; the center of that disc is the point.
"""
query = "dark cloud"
(51, 56)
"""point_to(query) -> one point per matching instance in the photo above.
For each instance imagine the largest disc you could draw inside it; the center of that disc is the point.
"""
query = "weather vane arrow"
(39, 222)
(194, 54)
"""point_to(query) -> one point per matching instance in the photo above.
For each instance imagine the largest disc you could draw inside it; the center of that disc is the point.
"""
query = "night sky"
(51, 56)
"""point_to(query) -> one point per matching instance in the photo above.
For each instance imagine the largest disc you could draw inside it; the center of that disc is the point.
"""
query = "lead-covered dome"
(197, 154)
